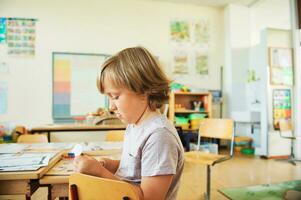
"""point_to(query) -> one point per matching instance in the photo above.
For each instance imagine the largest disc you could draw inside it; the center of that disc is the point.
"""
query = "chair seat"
(199, 157)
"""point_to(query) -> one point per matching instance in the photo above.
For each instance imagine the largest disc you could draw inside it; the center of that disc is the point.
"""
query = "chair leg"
(207, 194)
(291, 159)
(74, 192)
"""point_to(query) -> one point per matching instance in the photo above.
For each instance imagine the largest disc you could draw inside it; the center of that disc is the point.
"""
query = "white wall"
(95, 26)
(237, 48)
(243, 27)
(243, 50)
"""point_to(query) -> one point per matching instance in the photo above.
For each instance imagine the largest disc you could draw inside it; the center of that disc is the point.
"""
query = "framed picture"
(281, 66)
(281, 57)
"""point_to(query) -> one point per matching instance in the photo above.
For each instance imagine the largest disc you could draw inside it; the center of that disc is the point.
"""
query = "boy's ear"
(144, 96)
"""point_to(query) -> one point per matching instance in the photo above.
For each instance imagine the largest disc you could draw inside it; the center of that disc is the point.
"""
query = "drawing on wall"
(21, 36)
(201, 33)
(190, 46)
(3, 97)
(281, 106)
(2, 30)
(179, 31)
(201, 63)
(4, 69)
(180, 62)
(281, 76)
(281, 66)
(281, 57)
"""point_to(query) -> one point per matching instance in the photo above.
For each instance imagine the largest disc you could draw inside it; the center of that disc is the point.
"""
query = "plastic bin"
(208, 148)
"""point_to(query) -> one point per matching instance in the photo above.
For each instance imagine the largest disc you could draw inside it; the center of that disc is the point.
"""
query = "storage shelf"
(190, 111)
(181, 103)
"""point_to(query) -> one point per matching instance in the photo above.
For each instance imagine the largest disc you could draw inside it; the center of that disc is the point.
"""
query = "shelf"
(190, 111)
(181, 103)
(191, 93)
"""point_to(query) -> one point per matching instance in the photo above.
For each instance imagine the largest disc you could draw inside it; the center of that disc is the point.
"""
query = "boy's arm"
(109, 164)
(153, 187)
(89, 165)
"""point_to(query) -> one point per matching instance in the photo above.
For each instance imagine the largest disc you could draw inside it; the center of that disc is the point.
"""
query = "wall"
(95, 27)
(243, 50)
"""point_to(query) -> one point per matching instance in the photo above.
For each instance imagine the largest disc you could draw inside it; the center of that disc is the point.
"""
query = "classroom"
(225, 74)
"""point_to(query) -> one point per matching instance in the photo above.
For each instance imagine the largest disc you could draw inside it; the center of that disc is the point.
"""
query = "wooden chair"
(212, 128)
(32, 138)
(287, 132)
(86, 187)
(115, 136)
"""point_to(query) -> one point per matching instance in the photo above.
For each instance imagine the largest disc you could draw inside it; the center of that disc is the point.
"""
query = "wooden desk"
(75, 127)
(24, 182)
(57, 178)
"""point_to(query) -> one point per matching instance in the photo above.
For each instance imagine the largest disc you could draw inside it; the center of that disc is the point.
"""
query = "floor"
(237, 172)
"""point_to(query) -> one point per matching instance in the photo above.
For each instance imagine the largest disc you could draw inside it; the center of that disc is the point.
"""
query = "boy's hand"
(87, 165)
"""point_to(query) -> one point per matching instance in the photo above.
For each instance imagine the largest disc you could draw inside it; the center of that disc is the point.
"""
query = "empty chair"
(86, 187)
(287, 132)
(212, 128)
(115, 136)
(32, 138)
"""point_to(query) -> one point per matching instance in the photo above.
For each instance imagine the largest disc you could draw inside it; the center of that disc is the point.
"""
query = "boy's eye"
(115, 97)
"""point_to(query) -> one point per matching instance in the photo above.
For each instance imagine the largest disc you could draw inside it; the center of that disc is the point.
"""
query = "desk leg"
(49, 192)
(48, 136)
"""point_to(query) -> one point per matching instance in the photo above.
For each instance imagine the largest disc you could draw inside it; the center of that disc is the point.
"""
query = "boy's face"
(127, 105)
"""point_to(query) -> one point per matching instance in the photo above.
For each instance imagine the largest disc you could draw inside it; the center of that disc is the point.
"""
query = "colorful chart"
(282, 108)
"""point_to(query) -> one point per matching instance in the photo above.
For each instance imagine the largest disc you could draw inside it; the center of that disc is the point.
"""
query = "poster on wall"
(2, 30)
(193, 37)
(3, 97)
(179, 31)
(281, 66)
(201, 33)
(201, 63)
(281, 57)
(21, 36)
(180, 62)
(282, 108)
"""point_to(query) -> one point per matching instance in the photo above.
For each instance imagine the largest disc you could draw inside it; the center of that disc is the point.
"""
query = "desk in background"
(75, 127)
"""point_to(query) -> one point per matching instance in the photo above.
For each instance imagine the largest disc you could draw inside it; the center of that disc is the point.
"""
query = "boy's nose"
(112, 106)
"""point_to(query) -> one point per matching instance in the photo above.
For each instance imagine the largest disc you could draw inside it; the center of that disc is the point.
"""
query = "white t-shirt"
(150, 149)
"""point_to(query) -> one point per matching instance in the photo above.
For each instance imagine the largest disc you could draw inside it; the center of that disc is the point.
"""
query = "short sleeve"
(160, 154)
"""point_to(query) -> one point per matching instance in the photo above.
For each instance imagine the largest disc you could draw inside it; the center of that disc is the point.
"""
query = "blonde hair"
(137, 70)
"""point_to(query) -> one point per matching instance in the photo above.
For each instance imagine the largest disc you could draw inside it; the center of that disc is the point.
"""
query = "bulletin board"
(281, 66)
(282, 106)
(74, 85)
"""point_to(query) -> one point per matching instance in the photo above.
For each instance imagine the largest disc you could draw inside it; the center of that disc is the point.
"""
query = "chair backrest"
(32, 138)
(286, 129)
(115, 136)
(217, 129)
(285, 125)
(94, 188)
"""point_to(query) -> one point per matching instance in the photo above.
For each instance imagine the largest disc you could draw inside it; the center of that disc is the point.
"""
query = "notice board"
(74, 85)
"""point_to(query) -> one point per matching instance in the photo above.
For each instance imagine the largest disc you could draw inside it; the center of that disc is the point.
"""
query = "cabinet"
(185, 103)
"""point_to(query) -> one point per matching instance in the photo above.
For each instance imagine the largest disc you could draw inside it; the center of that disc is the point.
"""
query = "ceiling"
(218, 3)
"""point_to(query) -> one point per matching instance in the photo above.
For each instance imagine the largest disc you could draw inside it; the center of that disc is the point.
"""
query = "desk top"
(35, 174)
(61, 171)
(78, 127)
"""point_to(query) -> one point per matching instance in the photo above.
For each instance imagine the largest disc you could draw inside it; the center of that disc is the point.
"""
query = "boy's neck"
(147, 114)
